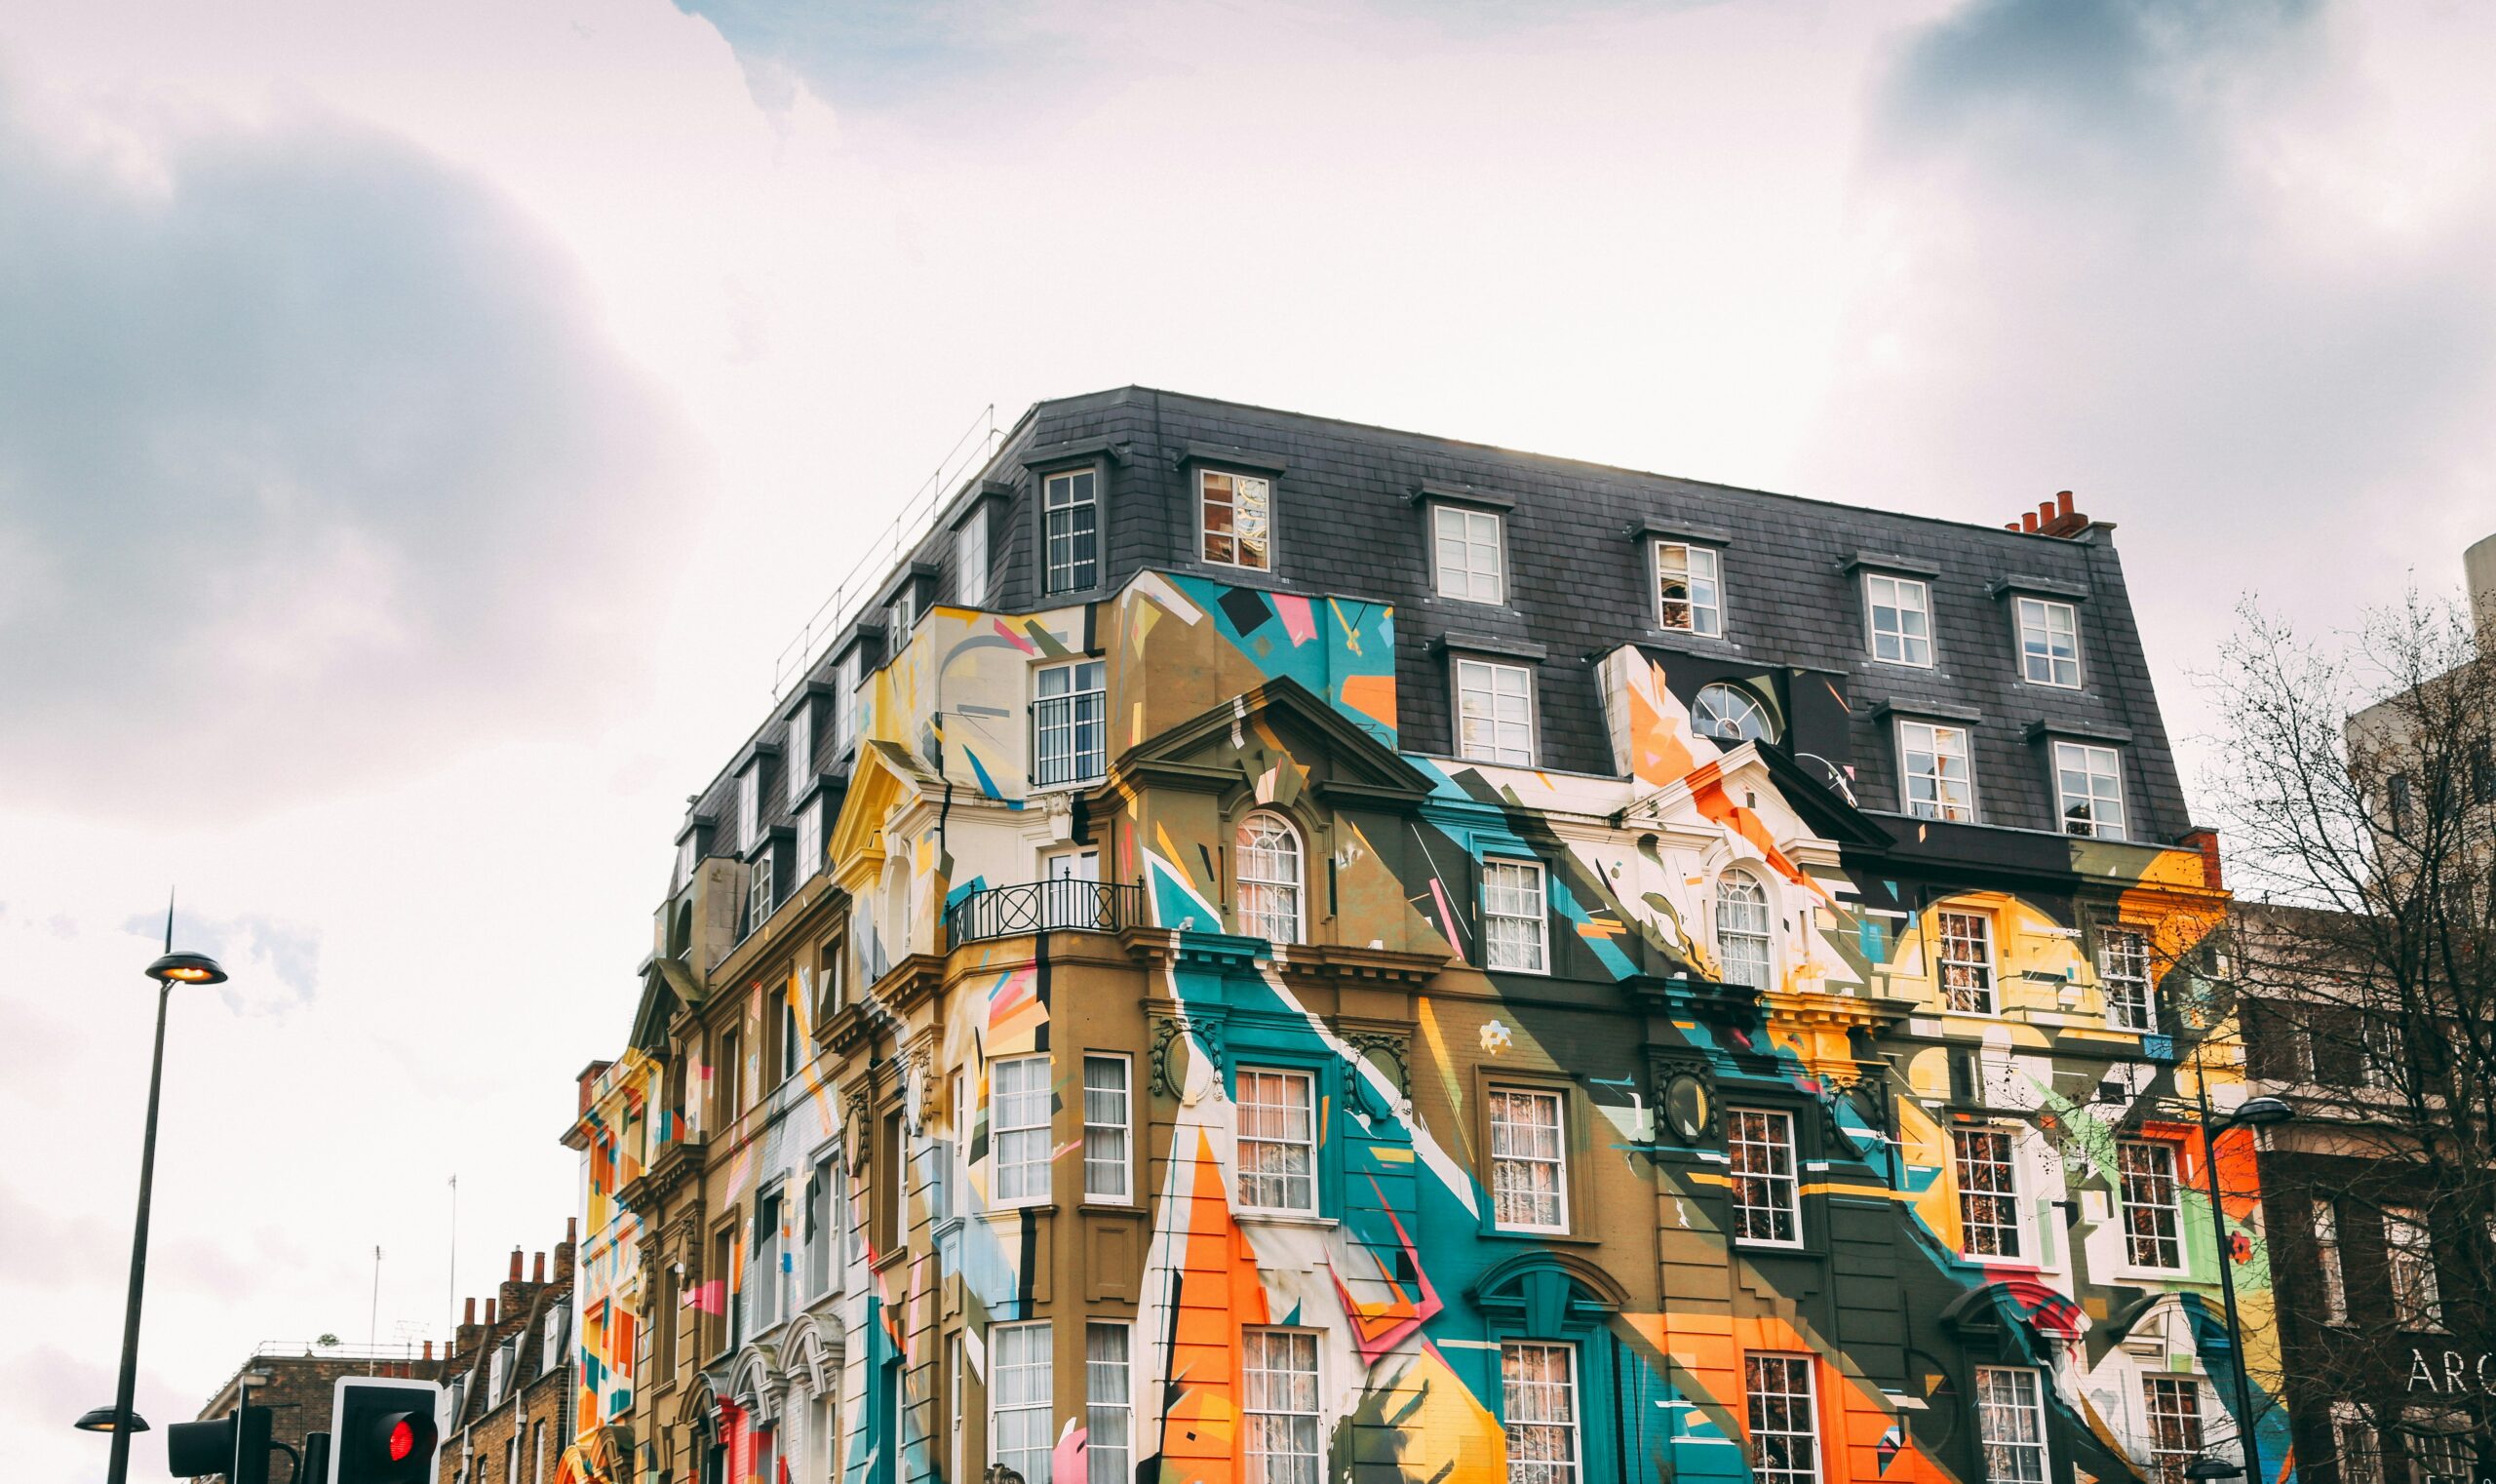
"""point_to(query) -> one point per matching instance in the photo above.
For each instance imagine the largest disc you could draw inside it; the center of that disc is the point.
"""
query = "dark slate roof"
(1347, 523)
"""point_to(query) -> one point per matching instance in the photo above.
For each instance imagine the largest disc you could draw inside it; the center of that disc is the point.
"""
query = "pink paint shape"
(1069, 1462)
(1014, 638)
(1447, 913)
(1298, 621)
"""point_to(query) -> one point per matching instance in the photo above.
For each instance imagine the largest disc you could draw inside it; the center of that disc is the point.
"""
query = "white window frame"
(1769, 1400)
(2449, 1435)
(1069, 493)
(1240, 486)
(1262, 898)
(1896, 588)
(901, 617)
(2081, 761)
(2167, 1457)
(1774, 1134)
(970, 558)
(750, 805)
(1482, 678)
(1972, 1177)
(823, 1236)
(1030, 1185)
(770, 1241)
(1514, 1159)
(687, 858)
(1930, 739)
(2409, 1242)
(800, 750)
(810, 840)
(2326, 1218)
(1023, 1351)
(2126, 980)
(844, 701)
(1464, 580)
(1304, 1459)
(1062, 714)
(1732, 880)
(1306, 1108)
(2172, 1206)
(1704, 608)
(2023, 1397)
(2353, 1431)
(760, 890)
(1979, 991)
(2037, 616)
(1516, 1391)
(1109, 1402)
(1101, 1122)
(1508, 887)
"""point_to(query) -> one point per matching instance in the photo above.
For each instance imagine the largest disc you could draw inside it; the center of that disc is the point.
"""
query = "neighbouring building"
(298, 1382)
(1276, 950)
(507, 1402)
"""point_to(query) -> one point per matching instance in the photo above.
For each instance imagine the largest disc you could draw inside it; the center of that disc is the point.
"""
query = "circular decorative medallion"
(1686, 1107)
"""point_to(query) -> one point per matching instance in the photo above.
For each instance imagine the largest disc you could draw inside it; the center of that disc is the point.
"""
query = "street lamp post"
(168, 971)
(2252, 1113)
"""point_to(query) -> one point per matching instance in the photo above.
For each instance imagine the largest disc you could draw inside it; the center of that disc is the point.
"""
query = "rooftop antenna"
(168, 919)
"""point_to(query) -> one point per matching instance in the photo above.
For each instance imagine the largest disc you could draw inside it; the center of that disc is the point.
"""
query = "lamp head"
(2211, 1466)
(105, 1420)
(2260, 1113)
(186, 968)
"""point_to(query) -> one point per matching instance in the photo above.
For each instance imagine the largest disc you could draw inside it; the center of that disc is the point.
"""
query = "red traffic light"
(403, 1440)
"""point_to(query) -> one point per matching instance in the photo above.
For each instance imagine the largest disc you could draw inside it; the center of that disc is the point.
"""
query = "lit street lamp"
(121, 1420)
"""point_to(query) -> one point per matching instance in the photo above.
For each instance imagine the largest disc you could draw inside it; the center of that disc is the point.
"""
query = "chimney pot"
(2046, 511)
(472, 1312)
(428, 1350)
(490, 1314)
(537, 1268)
(515, 1265)
(572, 1229)
(2062, 504)
(2028, 521)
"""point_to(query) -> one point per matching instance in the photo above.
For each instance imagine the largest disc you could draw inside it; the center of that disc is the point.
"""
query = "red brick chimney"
(2207, 842)
(2050, 518)
(537, 1268)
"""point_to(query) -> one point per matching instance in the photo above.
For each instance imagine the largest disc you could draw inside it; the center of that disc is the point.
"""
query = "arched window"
(1269, 894)
(1725, 712)
(1741, 931)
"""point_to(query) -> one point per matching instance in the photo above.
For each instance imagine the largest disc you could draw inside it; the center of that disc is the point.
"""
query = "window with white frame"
(1689, 592)
(821, 1235)
(1071, 530)
(1939, 781)
(2360, 1452)
(956, 1398)
(1109, 1404)
(809, 839)
(1277, 1143)
(1495, 712)
(844, 701)
(793, 1037)
(1767, 1205)
(2153, 1213)
(1988, 1192)
(1020, 1434)
(901, 616)
(1267, 851)
(2088, 785)
(1901, 611)
(2172, 1405)
(1529, 1161)
(2124, 975)
(766, 1279)
(1539, 1412)
(1067, 709)
(1515, 926)
(970, 560)
(1106, 1119)
(750, 805)
(1732, 715)
(759, 900)
(1741, 931)
(2326, 1262)
(1784, 1419)
(1237, 519)
(2409, 1268)
(2442, 1450)
(1966, 960)
(687, 856)
(801, 750)
(2010, 1425)
(1018, 1129)
(2049, 642)
(1279, 1405)
(1470, 563)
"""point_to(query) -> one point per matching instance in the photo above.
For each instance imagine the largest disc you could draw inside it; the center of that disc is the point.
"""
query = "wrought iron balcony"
(1033, 907)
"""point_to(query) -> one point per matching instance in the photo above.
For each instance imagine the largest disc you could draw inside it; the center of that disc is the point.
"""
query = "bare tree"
(2357, 789)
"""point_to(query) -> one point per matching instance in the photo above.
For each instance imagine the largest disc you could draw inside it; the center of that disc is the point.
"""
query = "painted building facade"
(1285, 951)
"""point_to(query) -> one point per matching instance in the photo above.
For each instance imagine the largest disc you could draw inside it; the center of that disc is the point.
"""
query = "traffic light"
(235, 1445)
(383, 1430)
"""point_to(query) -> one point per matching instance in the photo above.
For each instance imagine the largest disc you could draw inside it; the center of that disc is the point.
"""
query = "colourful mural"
(1219, 1093)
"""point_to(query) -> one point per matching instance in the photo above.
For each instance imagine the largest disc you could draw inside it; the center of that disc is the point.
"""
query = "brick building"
(507, 1402)
(1268, 947)
(296, 1383)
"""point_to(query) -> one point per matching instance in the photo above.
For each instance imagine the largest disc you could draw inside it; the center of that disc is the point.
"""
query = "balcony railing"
(1005, 912)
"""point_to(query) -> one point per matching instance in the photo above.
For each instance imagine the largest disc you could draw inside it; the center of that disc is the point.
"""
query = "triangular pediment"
(885, 777)
(667, 986)
(1218, 747)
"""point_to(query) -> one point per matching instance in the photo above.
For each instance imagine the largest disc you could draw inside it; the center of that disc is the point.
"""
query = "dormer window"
(687, 856)
(1468, 553)
(802, 749)
(1235, 521)
(1690, 590)
(759, 900)
(845, 701)
(750, 805)
(970, 558)
(901, 615)
(1900, 618)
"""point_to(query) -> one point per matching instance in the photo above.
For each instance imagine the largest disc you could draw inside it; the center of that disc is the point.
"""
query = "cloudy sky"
(422, 424)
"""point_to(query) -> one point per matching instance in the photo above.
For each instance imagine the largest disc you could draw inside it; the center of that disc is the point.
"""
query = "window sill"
(1109, 1208)
(1555, 1239)
(1306, 1219)
(997, 1209)
(2128, 1272)
(1778, 1249)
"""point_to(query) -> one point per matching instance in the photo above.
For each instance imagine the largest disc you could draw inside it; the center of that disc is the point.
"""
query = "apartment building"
(1279, 950)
